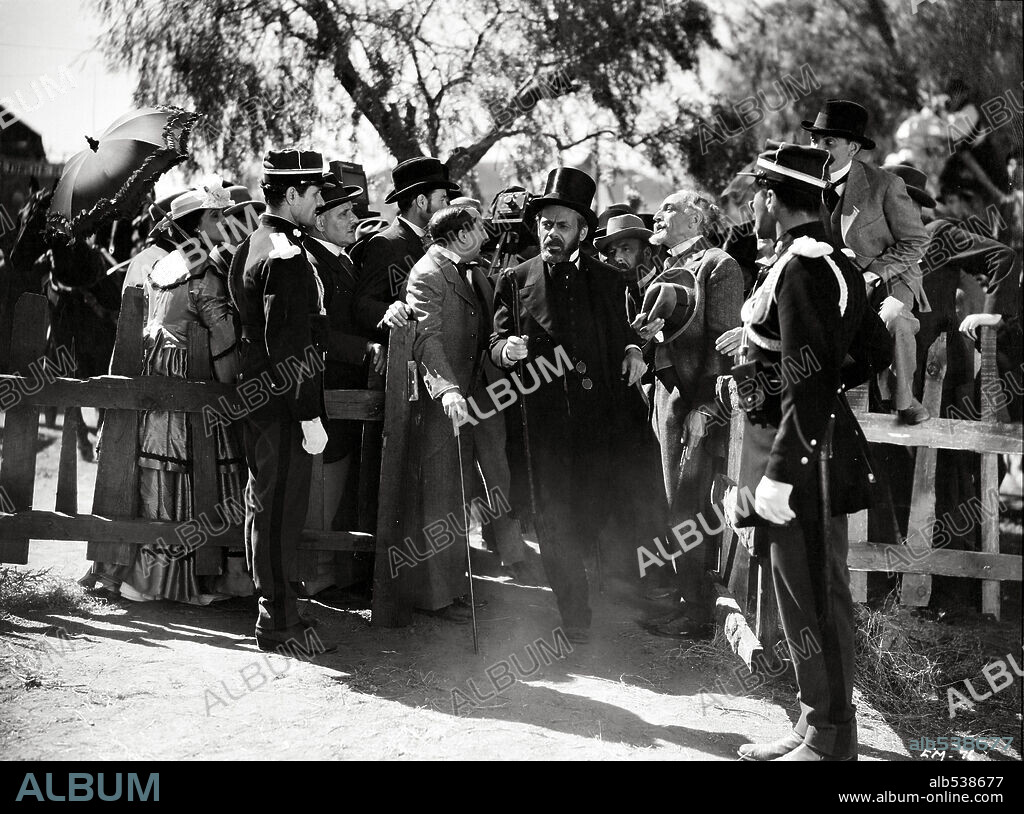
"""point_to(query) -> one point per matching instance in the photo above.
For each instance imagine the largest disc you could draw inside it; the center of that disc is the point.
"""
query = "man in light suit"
(709, 286)
(451, 301)
(868, 214)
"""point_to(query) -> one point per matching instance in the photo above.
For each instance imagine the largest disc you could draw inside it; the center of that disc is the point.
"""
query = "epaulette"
(283, 247)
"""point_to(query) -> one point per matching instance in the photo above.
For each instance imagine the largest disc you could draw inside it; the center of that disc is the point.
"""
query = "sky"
(57, 39)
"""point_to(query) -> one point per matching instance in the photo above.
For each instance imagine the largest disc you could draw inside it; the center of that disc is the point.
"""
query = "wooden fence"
(747, 599)
(113, 526)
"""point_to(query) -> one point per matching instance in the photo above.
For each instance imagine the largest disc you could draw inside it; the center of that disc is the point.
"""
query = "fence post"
(21, 426)
(390, 603)
(117, 469)
(989, 469)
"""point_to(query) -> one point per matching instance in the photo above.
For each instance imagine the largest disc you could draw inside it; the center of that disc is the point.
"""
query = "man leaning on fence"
(280, 298)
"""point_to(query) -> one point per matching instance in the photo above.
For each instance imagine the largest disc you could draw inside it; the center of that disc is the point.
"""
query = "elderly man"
(869, 215)
(451, 299)
(565, 310)
(709, 293)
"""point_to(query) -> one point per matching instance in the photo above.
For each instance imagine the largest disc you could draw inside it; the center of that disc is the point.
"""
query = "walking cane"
(465, 521)
(824, 463)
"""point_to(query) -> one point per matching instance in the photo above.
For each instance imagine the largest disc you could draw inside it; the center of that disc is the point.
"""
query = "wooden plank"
(163, 393)
(733, 623)
(916, 590)
(117, 468)
(944, 433)
(767, 620)
(67, 468)
(935, 561)
(858, 533)
(370, 450)
(43, 525)
(205, 487)
(989, 481)
(390, 603)
(21, 424)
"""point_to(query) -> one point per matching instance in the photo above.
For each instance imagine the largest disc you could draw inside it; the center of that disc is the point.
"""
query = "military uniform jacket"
(280, 299)
(810, 318)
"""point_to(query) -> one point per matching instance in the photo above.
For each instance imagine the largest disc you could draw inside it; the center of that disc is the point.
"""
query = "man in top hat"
(347, 354)
(421, 189)
(564, 309)
(869, 213)
(811, 305)
(280, 300)
(953, 250)
(706, 285)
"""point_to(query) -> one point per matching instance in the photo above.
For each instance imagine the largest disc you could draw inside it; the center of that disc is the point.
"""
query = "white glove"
(771, 500)
(314, 436)
(455, 406)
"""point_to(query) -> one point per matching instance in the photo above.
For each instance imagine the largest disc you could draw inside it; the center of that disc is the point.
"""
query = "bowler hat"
(569, 187)
(623, 226)
(337, 195)
(793, 165)
(287, 168)
(419, 175)
(842, 119)
(916, 181)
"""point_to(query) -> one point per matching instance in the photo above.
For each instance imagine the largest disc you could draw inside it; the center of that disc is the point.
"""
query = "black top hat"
(916, 181)
(569, 187)
(842, 119)
(286, 168)
(420, 174)
(793, 165)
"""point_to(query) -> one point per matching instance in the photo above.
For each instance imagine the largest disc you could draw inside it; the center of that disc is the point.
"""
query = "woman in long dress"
(181, 290)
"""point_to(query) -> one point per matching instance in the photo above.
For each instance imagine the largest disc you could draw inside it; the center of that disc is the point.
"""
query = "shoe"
(770, 751)
(463, 602)
(806, 754)
(293, 641)
(449, 613)
(577, 635)
(916, 413)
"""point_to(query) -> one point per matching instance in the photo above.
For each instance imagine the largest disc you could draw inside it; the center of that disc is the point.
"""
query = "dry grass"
(24, 591)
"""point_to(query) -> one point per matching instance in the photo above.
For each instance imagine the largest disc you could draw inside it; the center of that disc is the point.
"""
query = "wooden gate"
(113, 526)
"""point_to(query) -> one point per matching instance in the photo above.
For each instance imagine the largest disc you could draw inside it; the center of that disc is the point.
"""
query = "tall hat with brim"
(623, 226)
(916, 181)
(793, 165)
(609, 213)
(419, 175)
(842, 119)
(568, 187)
(288, 168)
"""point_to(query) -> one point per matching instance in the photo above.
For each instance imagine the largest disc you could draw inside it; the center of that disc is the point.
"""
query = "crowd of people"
(642, 318)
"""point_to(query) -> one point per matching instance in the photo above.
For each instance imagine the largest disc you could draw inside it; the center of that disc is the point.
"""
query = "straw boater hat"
(569, 187)
(842, 119)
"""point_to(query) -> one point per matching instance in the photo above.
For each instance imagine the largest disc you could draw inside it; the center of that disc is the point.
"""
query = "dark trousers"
(822, 655)
(276, 501)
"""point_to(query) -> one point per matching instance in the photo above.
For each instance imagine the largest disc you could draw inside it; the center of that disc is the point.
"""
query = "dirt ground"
(161, 680)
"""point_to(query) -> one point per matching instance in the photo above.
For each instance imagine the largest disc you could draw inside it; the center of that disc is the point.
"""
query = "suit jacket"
(719, 298)
(387, 257)
(882, 226)
(278, 302)
(821, 352)
(552, 401)
(345, 347)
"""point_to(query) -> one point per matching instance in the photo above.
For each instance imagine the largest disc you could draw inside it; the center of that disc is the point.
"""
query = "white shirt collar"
(331, 247)
(679, 248)
(840, 175)
(419, 232)
(444, 252)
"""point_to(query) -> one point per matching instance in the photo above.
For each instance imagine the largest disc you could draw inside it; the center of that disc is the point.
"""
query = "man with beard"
(421, 189)
(279, 298)
(564, 310)
(810, 304)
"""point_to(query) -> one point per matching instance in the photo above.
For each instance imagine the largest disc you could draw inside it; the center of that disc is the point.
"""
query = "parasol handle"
(164, 216)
